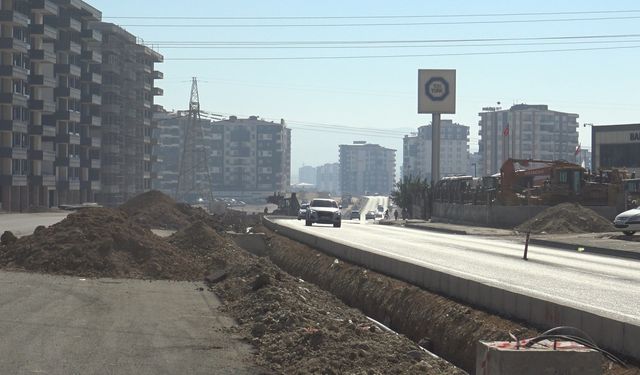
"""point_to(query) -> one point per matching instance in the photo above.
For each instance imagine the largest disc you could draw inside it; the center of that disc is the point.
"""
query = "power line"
(395, 56)
(349, 42)
(189, 46)
(377, 16)
(379, 24)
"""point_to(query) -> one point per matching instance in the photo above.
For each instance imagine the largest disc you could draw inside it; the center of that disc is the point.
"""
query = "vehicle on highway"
(628, 222)
(324, 211)
(355, 214)
(370, 215)
(302, 212)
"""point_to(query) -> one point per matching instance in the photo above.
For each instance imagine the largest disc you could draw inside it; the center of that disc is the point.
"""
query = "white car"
(324, 211)
(628, 222)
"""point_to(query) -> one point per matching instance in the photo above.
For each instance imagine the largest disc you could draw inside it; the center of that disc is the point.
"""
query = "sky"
(594, 73)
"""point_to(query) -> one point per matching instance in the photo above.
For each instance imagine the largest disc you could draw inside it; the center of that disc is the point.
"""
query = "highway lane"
(603, 285)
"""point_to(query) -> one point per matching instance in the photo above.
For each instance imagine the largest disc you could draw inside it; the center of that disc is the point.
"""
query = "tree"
(411, 192)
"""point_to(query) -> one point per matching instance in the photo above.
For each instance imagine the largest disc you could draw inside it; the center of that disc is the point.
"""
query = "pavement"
(611, 244)
(65, 325)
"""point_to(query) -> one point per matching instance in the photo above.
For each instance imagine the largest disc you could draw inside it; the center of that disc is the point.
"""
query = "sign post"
(436, 95)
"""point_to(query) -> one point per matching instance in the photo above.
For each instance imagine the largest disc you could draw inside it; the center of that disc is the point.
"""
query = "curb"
(433, 229)
(587, 249)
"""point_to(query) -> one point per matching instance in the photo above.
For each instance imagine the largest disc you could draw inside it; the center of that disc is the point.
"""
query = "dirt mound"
(101, 242)
(157, 210)
(567, 218)
(299, 328)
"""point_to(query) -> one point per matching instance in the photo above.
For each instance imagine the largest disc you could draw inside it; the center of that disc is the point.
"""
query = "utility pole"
(194, 161)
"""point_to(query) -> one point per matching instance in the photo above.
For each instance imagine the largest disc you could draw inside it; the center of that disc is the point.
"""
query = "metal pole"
(526, 246)
(435, 148)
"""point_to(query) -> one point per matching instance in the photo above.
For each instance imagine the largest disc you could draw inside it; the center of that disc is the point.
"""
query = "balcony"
(42, 105)
(157, 91)
(91, 77)
(48, 156)
(48, 33)
(46, 7)
(9, 180)
(67, 92)
(13, 45)
(91, 141)
(16, 18)
(69, 46)
(44, 56)
(92, 120)
(49, 132)
(92, 56)
(91, 99)
(158, 108)
(70, 116)
(92, 35)
(68, 69)
(41, 80)
(147, 86)
(14, 99)
(14, 72)
(14, 126)
(158, 75)
(67, 22)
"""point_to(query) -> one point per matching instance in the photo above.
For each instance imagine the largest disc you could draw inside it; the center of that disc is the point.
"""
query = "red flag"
(505, 132)
(578, 149)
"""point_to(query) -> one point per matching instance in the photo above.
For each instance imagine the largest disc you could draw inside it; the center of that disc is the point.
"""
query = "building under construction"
(76, 102)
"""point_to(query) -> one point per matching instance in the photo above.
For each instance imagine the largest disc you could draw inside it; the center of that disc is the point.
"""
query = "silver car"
(324, 211)
(628, 222)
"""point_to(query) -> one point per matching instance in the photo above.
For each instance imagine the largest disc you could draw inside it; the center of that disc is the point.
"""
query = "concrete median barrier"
(614, 334)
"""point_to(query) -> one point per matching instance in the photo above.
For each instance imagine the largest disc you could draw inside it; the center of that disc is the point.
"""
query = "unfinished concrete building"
(51, 98)
(127, 114)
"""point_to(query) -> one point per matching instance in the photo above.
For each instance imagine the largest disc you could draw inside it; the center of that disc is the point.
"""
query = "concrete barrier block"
(571, 317)
(484, 292)
(613, 335)
(474, 293)
(460, 288)
(592, 324)
(509, 307)
(523, 307)
(631, 340)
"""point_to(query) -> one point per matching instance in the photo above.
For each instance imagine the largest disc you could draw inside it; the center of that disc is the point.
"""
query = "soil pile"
(298, 328)
(567, 218)
(101, 242)
(157, 210)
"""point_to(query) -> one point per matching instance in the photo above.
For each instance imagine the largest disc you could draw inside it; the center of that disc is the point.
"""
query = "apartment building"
(45, 146)
(328, 178)
(247, 158)
(523, 132)
(366, 169)
(307, 175)
(128, 92)
(454, 151)
(51, 107)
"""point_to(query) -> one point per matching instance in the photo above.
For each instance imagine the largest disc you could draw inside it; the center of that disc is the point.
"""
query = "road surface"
(65, 325)
(603, 285)
(24, 224)
(371, 204)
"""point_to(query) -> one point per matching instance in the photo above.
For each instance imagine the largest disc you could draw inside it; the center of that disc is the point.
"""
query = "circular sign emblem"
(436, 89)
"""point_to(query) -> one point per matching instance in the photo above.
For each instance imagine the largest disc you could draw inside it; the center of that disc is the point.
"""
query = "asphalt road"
(598, 284)
(372, 204)
(63, 325)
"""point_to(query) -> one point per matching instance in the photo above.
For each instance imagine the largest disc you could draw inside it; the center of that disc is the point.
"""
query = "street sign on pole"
(436, 95)
(436, 91)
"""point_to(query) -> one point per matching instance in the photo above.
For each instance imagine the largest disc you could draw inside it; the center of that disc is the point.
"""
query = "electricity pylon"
(194, 177)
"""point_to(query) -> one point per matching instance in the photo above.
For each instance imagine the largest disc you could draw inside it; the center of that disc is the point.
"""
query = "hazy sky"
(599, 82)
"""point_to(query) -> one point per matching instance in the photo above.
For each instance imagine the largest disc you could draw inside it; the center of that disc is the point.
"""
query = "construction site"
(302, 310)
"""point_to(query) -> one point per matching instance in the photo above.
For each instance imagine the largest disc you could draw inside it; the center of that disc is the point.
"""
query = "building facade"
(526, 132)
(307, 175)
(51, 104)
(454, 151)
(328, 178)
(128, 92)
(366, 169)
(247, 158)
(616, 146)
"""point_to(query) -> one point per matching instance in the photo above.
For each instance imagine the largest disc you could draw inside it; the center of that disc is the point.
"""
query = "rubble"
(566, 218)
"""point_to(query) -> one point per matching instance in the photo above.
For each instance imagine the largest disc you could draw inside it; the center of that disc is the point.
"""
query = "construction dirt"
(313, 326)
(566, 218)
